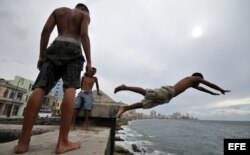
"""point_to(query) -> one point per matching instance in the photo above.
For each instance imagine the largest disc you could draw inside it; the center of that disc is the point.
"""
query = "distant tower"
(57, 91)
(153, 113)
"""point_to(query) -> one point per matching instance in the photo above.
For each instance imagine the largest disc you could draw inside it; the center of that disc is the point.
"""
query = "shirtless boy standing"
(63, 59)
(85, 98)
(155, 97)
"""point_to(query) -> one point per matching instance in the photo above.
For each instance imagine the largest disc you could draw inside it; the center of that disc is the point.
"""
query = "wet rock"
(117, 138)
(136, 148)
(122, 151)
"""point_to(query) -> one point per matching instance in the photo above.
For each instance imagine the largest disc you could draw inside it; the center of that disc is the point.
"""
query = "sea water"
(181, 137)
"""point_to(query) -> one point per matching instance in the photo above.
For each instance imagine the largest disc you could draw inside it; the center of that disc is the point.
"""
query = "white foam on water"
(131, 136)
(143, 142)
(157, 152)
(129, 132)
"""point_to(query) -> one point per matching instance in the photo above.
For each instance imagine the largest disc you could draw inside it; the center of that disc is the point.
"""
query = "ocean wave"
(140, 143)
(163, 136)
(129, 132)
(143, 143)
(146, 150)
(125, 144)
(156, 152)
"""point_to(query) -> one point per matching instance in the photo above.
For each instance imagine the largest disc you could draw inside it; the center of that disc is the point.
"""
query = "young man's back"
(69, 21)
(72, 26)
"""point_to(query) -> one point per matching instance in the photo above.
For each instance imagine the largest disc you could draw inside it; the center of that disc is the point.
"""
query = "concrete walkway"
(93, 142)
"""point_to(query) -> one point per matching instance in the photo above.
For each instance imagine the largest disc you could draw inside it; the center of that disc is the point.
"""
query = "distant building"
(26, 84)
(55, 99)
(50, 102)
(22, 83)
(56, 107)
(176, 115)
(153, 114)
(12, 98)
(57, 91)
(141, 116)
(14, 95)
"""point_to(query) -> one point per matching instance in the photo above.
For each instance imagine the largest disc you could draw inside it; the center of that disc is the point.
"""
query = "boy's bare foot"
(61, 148)
(120, 111)
(20, 148)
(22, 145)
(119, 88)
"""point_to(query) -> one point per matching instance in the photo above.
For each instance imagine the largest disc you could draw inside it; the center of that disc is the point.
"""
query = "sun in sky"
(197, 31)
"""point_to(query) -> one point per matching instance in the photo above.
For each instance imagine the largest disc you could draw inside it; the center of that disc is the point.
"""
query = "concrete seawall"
(98, 140)
(95, 141)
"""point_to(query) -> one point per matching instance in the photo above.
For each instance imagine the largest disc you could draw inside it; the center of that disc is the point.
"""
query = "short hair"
(197, 74)
(81, 5)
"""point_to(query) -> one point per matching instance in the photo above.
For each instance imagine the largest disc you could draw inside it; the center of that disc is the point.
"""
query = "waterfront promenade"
(98, 140)
(93, 142)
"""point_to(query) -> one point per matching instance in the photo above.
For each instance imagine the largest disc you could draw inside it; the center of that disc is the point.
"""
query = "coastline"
(119, 150)
(150, 135)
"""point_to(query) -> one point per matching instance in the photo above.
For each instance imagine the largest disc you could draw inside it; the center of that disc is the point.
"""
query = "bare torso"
(88, 83)
(184, 84)
(68, 22)
(71, 23)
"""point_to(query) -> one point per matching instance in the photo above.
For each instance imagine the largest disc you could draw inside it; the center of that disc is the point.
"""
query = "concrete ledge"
(10, 132)
(39, 121)
(93, 142)
(103, 122)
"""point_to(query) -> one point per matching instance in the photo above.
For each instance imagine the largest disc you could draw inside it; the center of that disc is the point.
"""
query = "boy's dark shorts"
(62, 60)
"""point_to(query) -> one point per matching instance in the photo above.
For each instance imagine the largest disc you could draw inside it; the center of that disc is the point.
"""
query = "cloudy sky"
(147, 43)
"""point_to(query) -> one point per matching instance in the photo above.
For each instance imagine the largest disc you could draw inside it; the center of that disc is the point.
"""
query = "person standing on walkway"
(62, 59)
(85, 98)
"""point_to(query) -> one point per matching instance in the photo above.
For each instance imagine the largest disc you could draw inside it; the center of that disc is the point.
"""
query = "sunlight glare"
(197, 32)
